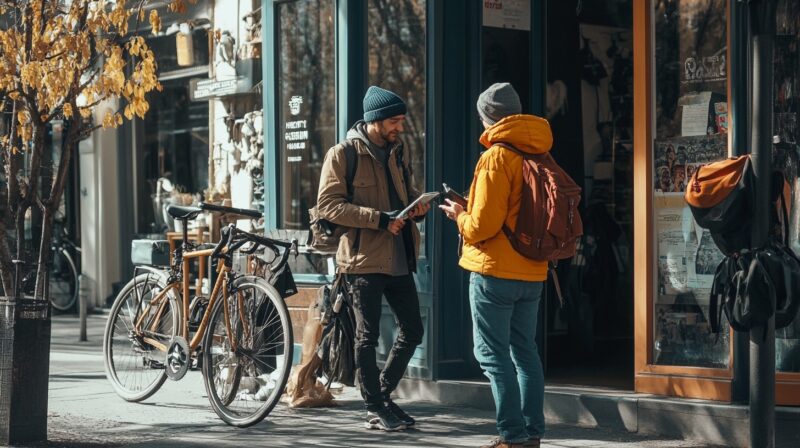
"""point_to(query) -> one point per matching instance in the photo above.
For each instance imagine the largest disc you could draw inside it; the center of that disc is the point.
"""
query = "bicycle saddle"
(182, 212)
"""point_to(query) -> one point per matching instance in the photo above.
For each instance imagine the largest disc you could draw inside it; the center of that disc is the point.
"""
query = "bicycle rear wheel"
(135, 366)
(63, 281)
(245, 384)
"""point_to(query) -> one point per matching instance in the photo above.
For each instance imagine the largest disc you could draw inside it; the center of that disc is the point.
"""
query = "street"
(85, 412)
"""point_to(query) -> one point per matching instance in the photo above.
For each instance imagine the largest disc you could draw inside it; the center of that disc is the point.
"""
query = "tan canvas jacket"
(365, 248)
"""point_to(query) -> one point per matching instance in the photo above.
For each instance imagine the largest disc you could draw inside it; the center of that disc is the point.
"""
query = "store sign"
(704, 69)
(210, 88)
(512, 14)
(294, 104)
(295, 132)
(248, 74)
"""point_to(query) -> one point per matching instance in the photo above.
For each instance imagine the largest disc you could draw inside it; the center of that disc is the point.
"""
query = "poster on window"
(673, 245)
(513, 14)
(676, 160)
(687, 255)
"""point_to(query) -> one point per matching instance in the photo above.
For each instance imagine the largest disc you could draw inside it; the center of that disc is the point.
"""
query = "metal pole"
(762, 339)
(82, 309)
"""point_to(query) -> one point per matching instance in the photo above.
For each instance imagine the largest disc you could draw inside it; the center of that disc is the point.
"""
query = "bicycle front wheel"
(244, 384)
(63, 281)
(133, 359)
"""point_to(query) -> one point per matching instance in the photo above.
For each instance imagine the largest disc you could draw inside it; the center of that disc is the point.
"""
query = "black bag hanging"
(337, 344)
(283, 281)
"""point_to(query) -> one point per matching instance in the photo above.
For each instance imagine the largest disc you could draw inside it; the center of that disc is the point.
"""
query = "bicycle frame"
(182, 289)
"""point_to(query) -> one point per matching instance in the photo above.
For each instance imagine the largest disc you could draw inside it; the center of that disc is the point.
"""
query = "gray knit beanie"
(497, 102)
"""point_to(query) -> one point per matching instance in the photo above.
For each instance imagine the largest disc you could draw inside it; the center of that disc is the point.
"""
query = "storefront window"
(306, 103)
(396, 37)
(787, 71)
(691, 84)
(175, 147)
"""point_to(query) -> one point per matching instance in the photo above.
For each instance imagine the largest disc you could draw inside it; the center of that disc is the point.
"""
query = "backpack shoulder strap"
(351, 162)
(507, 230)
(721, 281)
(402, 164)
(512, 148)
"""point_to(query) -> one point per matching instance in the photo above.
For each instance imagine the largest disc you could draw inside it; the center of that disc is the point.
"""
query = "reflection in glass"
(691, 130)
(175, 146)
(306, 103)
(396, 37)
(787, 153)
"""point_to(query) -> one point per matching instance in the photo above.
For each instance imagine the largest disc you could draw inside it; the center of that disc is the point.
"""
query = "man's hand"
(452, 209)
(419, 210)
(396, 226)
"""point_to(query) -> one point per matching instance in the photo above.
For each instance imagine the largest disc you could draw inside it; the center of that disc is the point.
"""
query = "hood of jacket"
(527, 133)
(358, 132)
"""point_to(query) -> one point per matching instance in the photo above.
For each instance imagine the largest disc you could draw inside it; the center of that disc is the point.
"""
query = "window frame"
(680, 381)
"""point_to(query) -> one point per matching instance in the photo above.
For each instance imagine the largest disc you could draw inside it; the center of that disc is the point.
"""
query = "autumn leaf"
(155, 21)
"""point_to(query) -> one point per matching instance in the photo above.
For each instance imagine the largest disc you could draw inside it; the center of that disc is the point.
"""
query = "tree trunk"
(6, 277)
(46, 207)
(12, 199)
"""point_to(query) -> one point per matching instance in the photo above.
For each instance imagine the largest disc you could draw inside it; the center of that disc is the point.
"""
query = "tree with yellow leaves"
(59, 60)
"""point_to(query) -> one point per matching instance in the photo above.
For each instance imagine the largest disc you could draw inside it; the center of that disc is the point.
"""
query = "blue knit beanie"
(380, 104)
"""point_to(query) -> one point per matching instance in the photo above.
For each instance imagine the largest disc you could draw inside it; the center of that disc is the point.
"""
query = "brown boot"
(498, 442)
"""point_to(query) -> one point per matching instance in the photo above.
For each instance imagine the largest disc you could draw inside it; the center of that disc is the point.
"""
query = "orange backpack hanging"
(720, 195)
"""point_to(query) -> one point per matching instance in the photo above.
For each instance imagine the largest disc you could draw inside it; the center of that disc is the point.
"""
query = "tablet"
(424, 198)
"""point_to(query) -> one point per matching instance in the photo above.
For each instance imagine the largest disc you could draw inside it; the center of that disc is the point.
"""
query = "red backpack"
(549, 224)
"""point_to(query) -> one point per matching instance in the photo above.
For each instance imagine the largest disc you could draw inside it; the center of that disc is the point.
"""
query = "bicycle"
(241, 336)
(62, 274)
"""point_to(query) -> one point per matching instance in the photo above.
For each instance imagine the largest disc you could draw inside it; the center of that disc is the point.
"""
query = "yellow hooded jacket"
(494, 200)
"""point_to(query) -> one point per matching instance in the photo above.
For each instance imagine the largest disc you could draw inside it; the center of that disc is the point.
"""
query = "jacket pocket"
(365, 191)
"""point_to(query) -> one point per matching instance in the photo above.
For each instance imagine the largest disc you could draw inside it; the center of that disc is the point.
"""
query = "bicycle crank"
(178, 358)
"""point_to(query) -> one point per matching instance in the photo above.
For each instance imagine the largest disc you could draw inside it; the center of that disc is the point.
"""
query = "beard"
(389, 136)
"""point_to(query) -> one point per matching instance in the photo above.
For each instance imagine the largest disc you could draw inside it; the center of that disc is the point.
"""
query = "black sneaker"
(383, 419)
(399, 413)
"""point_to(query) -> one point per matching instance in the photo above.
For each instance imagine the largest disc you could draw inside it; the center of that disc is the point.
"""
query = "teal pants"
(504, 316)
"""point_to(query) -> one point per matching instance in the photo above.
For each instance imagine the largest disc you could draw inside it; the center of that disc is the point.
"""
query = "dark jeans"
(401, 294)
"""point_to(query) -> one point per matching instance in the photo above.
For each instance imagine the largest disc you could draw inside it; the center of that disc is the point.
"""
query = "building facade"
(638, 93)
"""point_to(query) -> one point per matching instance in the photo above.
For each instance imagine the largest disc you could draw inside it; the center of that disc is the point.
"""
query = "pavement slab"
(84, 412)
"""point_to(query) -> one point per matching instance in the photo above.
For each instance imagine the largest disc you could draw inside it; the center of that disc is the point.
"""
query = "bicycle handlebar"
(226, 233)
(234, 238)
(255, 214)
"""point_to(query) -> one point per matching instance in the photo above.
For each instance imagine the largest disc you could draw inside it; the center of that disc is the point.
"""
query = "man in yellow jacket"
(505, 287)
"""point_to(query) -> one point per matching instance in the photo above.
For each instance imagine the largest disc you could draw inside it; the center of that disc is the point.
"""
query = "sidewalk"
(85, 412)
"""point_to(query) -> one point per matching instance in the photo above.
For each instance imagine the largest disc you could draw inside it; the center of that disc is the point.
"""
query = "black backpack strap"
(721, 280)
(402, 165)
(784, 217)
(351, 162)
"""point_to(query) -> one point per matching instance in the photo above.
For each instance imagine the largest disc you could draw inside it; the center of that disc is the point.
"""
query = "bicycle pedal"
(156, 365)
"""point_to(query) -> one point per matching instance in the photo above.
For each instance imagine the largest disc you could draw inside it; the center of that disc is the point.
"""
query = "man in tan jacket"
(378, 253)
